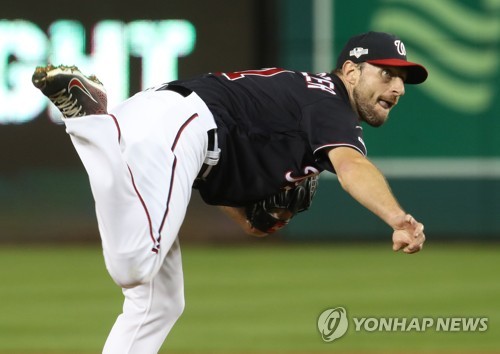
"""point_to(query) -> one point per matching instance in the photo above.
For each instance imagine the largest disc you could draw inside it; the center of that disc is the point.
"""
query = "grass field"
(258, 299)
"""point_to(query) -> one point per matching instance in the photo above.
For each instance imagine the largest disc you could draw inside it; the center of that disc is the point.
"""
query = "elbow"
(349, 172)
(347, 164)
(344, 170)
(343, 181)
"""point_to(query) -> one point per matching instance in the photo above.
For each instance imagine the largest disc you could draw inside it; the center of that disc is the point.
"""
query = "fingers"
(407, 246)
(418, 227)
(397, 246)
(400, 239)
(410, 219)
(411, 239)
(398, 242)
(418, 236)
(416, 244)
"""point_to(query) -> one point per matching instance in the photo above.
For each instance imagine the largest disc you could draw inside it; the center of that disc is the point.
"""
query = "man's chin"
(375, 121)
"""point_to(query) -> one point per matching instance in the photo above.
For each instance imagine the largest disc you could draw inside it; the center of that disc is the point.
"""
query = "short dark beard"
(363, 113)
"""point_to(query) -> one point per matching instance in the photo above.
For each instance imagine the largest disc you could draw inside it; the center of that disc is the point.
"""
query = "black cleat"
(73, 93)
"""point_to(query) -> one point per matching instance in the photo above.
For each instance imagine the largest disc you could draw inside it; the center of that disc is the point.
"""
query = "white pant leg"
(150, 310)
(141, 162)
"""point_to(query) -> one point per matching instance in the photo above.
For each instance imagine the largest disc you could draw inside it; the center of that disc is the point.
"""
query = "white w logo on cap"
(400, 46)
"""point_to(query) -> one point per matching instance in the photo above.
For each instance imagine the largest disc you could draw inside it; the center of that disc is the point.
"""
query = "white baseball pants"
(142, 160)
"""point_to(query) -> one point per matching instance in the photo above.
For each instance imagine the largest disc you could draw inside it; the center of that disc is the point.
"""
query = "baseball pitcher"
(252, 142)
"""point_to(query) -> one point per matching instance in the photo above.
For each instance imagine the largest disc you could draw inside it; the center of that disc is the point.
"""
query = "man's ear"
(351, 72)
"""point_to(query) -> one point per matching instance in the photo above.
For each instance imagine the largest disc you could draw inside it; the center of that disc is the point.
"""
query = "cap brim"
(416, 72)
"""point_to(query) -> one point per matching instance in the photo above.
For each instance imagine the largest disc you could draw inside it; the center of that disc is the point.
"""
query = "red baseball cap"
(380, 48)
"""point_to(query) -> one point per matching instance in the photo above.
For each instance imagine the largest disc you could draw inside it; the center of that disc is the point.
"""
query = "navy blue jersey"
(275, 128)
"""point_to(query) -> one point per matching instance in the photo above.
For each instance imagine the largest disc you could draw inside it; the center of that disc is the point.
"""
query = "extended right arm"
(365, 183)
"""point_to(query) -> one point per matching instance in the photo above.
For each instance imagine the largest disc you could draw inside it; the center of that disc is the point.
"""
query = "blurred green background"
(439, 151)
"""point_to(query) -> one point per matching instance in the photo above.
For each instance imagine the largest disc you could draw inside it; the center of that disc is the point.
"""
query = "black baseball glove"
(273, 213)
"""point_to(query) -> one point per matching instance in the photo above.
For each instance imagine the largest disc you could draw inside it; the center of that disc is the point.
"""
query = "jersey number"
(262, 72)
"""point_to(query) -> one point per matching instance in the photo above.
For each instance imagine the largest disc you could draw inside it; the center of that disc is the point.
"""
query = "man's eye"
(386, 75)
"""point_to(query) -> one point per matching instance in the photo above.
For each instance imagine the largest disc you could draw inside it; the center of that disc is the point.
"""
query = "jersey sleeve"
(331, 123)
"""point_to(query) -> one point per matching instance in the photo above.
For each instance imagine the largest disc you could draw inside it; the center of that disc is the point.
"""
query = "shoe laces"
(66, 104)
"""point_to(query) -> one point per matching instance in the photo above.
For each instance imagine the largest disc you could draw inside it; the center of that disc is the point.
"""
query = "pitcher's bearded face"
(377, 91)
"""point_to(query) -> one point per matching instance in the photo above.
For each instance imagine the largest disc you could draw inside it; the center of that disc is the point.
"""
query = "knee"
(175, 309)
(127, 280)
(129, 273)
(165, 303)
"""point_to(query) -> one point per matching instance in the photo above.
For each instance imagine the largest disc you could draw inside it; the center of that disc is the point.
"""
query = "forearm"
(239, 216)
(366, 184)
(375, 194)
